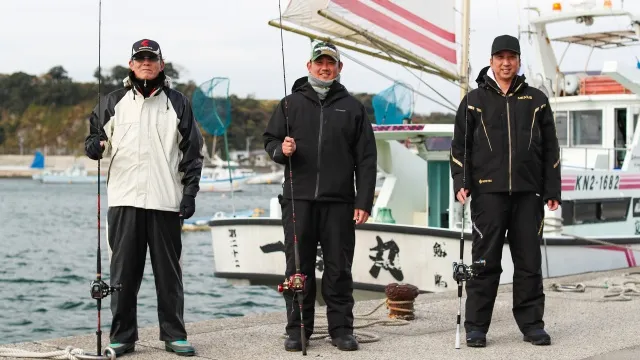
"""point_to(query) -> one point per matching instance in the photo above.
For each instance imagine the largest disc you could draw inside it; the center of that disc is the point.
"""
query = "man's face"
(505, 65)
(324, 68)
(146, 66)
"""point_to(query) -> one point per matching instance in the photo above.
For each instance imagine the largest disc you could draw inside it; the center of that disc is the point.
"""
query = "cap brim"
(145, 53)
(506, 49)
(326, 53)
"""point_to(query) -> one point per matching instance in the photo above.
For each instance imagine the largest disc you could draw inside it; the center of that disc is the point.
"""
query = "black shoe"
(122, 348)
(293, 344)
(345, 343)
(476, 339)
(537, 337)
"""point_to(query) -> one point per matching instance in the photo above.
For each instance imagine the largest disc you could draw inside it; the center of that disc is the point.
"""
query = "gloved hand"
(187, 206)
(95, 149)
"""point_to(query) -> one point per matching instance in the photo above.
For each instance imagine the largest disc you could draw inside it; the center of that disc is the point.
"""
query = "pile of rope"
(399, 302)
(69, 353)
(622, 289)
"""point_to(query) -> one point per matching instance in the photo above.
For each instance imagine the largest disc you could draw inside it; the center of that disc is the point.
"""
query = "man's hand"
(360, 216)
(288, 146)
(553, 204)
(462, 195)
(187, 206)
(95, 150)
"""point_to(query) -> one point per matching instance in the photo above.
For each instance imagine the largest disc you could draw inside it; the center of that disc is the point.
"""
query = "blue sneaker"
(180, 347)
(122, 348)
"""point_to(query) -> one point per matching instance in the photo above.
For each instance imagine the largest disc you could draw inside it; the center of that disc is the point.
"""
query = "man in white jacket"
(155, 149)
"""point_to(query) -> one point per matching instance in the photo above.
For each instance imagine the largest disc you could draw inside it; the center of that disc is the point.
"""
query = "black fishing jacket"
(334, 141)
(512, 144)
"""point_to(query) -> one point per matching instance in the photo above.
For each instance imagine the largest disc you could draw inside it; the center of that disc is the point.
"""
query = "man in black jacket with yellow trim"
(512, 171)
(329, 140)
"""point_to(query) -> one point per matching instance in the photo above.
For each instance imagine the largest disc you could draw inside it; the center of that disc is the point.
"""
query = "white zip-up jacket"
(155, 147)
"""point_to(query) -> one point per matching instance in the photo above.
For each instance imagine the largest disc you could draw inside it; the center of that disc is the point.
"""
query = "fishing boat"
(413, 235)
(215, 179)
(75, 174)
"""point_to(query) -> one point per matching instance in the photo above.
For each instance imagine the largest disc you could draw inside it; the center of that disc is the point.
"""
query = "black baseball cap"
(505, 42)
(146, 48)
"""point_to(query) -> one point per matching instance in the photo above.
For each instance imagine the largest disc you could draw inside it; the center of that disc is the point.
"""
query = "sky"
(210, 38)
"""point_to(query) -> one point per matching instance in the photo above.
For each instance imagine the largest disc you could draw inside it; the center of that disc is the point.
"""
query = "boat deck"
(582, 326)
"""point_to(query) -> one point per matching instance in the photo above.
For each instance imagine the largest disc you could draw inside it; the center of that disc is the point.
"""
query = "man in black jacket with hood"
(329, 139)
(511, 169)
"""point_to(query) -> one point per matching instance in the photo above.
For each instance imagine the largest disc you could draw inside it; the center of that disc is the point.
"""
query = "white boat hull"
(252, 249)
(65, 179)
(222, 185)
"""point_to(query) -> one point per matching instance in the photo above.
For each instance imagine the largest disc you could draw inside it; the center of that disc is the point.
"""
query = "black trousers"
(130, 230)
(492, 214)
(332, 226)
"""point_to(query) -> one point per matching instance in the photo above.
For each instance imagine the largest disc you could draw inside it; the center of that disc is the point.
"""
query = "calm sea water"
(48, 240)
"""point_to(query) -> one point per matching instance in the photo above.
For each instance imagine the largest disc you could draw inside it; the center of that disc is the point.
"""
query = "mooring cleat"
(122, 348)
(180, 347)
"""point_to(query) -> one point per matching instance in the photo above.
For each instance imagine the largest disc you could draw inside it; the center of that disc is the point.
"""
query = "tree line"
(52, 110)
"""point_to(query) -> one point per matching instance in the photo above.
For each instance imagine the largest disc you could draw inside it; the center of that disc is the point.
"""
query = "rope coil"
(615, 290)
(322, 331)
(69, 353)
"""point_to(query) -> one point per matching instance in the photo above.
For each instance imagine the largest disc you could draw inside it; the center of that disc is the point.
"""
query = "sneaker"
(537, 337)
(180, 347)
(122, 348)
(476, 339)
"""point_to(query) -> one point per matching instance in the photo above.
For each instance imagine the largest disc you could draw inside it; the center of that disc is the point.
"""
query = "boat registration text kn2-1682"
(597, 182)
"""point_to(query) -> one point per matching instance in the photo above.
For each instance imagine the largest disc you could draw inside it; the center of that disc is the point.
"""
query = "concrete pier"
(583, 325)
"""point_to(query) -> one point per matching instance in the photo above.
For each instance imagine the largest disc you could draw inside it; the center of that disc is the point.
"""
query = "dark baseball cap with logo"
(145, 48)
(505, 43)
(324, 48)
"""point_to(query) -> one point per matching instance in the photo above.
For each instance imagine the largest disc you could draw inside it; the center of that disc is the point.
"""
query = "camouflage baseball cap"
(324, 48)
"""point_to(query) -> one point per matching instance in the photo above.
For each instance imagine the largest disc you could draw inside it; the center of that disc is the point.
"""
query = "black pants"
(130, 230)
(493, 214)
(331, 225)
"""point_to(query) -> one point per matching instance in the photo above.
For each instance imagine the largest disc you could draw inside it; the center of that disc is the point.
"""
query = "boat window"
(587, 127)
(561, 127)
(595, 210)
(585, 212)
(438, 143)
(614, 209)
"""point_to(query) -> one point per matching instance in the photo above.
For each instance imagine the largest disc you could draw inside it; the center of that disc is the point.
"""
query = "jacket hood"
(486, 79)
(128, 83)
(336, 90)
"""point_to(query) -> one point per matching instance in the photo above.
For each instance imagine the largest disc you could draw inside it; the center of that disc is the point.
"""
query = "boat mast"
(464, 64)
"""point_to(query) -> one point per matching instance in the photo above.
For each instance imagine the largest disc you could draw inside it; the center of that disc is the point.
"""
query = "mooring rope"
(615, 290)
(322, 331)
(69, 353)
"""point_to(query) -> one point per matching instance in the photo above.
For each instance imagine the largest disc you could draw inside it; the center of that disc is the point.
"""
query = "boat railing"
(593, 158)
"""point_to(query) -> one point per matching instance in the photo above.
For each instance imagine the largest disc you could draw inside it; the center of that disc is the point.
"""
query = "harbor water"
(48, 237)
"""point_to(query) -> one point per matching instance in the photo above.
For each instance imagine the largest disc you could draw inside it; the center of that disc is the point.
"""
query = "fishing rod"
(461, 271)
(296, 282)
(99, 289)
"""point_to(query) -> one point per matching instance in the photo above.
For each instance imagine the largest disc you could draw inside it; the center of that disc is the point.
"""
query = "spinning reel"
(100, 290)
(463, 272)
(294, 283)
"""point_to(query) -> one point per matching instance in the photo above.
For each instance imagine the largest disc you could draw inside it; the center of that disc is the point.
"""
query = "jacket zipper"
(319, 150)
(509, 130)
